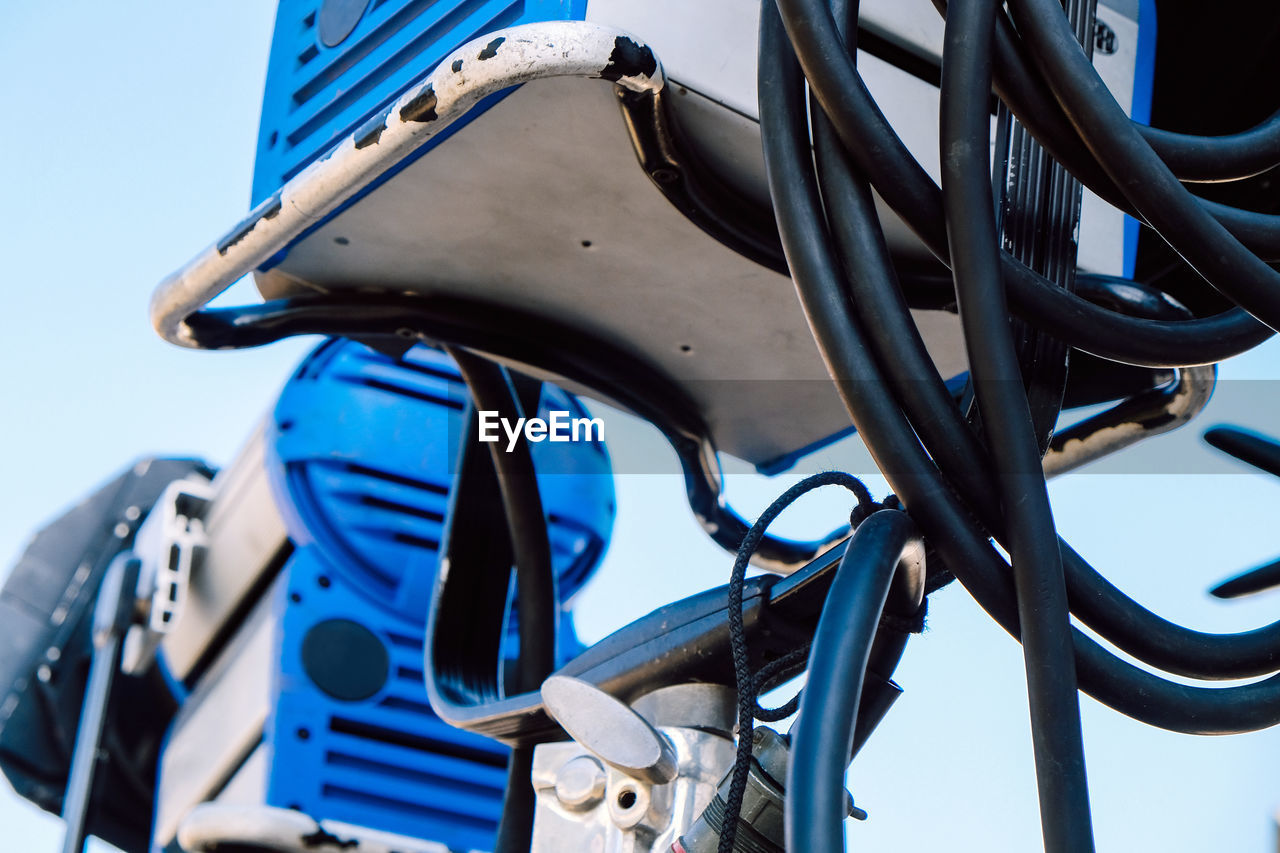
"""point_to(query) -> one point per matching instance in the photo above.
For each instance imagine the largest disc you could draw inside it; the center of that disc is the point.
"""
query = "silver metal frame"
(1151, 413)
(479, 68)
(213, 825)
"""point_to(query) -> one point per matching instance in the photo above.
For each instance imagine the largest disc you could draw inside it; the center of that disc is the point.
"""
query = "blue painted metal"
(362, 447)
(366, 446)
(317, 95)
(1144, 75)
(386, 762)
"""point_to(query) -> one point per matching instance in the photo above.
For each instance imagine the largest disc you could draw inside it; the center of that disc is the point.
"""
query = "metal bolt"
(580, 783)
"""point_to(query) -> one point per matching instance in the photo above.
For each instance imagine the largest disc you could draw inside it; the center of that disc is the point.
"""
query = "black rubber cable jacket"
(1211, 159)
(1193, 158)
(823, 734)
(909, 190)
(1020, 84)
(519, 802)
(535, 582)
(962, 545)
(1164, 203)
(878, 303)
(526, 521)
(965, 125)
(915, 382)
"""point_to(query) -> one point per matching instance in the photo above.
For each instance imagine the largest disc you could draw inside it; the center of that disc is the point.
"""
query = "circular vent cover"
(366, 445)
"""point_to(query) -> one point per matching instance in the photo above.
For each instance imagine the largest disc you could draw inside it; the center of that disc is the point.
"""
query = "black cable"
(745, 680)
(914, 381)
(525, 520)
(1210, 159)
(546, 344)
(877, 300)
(1163, 202)
(823, 736)
(948, 526)
(519, 803)
(1206, 159)
(910, 192)
(1098, 603)
(974, 239)
(535, 580)
(1202, 159)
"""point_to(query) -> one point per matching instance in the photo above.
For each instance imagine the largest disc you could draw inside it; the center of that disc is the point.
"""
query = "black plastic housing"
(46, 614)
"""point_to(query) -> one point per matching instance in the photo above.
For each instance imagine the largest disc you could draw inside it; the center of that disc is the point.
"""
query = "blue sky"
(130, 132)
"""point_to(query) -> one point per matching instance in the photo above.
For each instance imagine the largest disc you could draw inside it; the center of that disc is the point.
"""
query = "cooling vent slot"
(387, 519)
(317, 95)
(368, 444)
(397, 757)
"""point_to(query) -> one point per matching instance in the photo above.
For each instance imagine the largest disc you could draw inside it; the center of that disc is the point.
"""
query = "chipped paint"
(322, 838)
(512, 57)
(371, 131)
(1149, 413)
(267, 210)
(422, 108)
(629, 59)
(491, 49)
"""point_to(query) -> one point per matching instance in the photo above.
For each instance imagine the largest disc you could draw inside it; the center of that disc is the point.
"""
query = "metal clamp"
(635, 777)
(169, 544)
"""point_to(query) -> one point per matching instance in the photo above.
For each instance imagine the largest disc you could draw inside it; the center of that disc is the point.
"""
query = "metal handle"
(479, 68)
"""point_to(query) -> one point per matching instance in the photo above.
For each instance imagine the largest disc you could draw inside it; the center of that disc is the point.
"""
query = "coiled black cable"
(1196, 159)
(1103, 607)
(912, 379)
(1144, 179)
(896, 449)
(873, 144)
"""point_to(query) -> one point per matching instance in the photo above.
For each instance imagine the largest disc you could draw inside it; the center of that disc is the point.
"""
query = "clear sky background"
(128, 137)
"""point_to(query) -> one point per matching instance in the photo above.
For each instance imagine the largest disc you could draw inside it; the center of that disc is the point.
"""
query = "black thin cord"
(746, 681)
